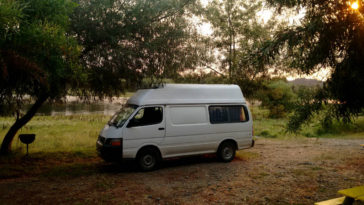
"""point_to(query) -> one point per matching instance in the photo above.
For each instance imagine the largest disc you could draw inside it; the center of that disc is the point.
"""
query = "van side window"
(147, 116)
(228, 114)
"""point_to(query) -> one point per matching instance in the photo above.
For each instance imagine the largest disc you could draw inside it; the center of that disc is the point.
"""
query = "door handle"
(161, 128)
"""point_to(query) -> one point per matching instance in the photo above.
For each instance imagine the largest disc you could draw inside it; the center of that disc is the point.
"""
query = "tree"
(37, 59)
(126, 41)
(122, 43)
(330, 36)
(278, 97)
(202, 78)
(238, 32)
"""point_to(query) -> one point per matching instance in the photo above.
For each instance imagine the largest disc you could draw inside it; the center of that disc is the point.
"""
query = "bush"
(201, 78)
(278, 97)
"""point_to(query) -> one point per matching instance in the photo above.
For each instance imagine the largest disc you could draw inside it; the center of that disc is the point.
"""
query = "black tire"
(148, 159)
(226, 152)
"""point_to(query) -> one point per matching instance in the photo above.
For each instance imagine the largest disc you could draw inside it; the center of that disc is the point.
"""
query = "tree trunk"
(230, 43)
(19, 123)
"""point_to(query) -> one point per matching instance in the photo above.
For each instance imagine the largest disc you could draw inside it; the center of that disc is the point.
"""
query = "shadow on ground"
(69, 166)
(131, 166)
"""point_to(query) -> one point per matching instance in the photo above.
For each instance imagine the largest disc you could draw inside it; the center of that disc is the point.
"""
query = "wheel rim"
(227, 152)
(148, 160)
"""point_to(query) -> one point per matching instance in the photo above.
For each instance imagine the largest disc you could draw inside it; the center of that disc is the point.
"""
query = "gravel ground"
(299, 171)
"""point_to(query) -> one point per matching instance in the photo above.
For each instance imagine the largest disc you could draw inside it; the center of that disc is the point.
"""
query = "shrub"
(278, 97)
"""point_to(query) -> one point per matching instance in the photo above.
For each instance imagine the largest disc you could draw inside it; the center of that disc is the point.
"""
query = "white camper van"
(177, 120)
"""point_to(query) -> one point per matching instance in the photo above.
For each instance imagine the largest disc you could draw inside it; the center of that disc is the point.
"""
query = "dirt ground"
(300, 171)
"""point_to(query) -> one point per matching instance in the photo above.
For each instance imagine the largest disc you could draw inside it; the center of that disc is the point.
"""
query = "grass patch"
(276, 128)
(267, 127)
(76, 133)
(338, 129)
(64, 146)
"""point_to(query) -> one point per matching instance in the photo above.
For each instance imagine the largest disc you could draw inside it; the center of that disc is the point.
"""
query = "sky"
(265, 14)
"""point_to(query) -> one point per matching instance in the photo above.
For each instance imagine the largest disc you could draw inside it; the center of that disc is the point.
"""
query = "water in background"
(73, 107)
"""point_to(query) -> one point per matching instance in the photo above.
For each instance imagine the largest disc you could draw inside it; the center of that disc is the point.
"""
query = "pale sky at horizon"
(265, 14)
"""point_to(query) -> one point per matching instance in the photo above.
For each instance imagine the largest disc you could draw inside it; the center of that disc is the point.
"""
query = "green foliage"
(36, 56)
(202, 78)
(311, 105)
(278, 97)
(251, 87)
(267, 127)
(135, 39)
(38, 59)
(338, 128)
(305, 108)
(233, 24)
(329, 37)
(10, 14)
(238, 33)
(57, 12)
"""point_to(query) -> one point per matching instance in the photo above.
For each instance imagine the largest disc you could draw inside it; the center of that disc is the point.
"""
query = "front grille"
(102, 139)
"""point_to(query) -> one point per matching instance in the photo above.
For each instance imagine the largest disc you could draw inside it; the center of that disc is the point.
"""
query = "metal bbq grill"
(27, 139)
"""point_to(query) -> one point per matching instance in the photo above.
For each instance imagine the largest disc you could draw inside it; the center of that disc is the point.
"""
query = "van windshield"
(119, 118)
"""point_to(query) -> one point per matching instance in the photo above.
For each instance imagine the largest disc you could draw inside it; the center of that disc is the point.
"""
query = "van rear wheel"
(147, 159)
(226, 152)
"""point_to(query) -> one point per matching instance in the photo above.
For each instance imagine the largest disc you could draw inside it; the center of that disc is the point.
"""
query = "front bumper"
(109, 152)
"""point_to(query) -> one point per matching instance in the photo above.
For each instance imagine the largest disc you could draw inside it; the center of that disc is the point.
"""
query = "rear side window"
(228, 114)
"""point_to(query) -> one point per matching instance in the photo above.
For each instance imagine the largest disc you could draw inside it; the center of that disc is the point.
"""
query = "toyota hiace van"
(176, 120)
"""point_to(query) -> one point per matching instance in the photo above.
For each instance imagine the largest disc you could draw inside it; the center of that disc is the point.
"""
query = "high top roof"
(188, 94)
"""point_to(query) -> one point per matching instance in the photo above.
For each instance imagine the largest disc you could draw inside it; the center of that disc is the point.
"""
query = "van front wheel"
(147, 159)
(226, 152)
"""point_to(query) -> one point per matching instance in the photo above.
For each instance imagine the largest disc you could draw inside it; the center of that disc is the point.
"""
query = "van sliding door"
(186, 130)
